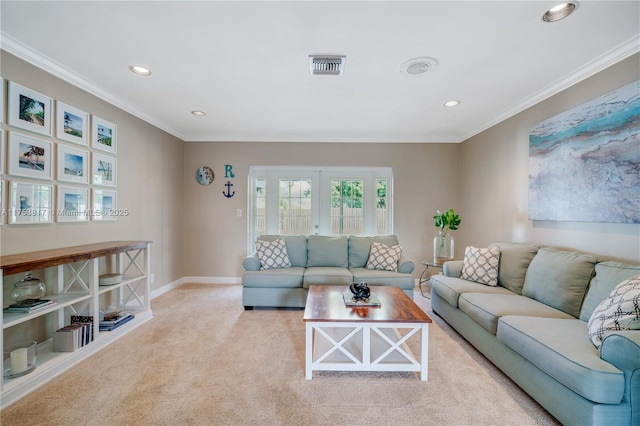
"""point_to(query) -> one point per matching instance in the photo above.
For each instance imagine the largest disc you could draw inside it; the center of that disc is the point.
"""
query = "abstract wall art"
(584, 164)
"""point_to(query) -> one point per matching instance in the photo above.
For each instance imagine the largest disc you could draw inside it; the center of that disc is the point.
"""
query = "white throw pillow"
(481, 265)
(619, 311)
(273, 254)
(383, 257)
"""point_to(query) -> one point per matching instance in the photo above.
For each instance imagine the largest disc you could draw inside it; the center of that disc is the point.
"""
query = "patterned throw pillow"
(383, 257)
(273, 254)
(481, 265)
(619, 311)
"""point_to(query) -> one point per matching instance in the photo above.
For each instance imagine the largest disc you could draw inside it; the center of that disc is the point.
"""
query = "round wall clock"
(204, 175)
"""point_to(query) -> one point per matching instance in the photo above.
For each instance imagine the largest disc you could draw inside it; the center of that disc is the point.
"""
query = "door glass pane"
(294, 206)
(347, 207)
(381, 207)
(260, 214)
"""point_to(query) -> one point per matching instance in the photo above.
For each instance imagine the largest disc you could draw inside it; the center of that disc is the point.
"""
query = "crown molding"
(615, 55)
(16, 48)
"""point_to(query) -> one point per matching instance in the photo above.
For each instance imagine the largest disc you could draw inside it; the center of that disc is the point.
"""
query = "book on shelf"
(29, 305)
(112, 325)
(73, 336)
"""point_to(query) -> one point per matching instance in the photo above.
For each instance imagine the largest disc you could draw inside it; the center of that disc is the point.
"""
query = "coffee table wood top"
(326, 304)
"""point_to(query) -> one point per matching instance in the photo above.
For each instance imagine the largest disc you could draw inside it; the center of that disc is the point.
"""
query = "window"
(326, 201)
(347, 206)
(294, 206)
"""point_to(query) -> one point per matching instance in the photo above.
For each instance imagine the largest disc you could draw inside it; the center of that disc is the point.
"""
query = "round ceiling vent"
(417, 66)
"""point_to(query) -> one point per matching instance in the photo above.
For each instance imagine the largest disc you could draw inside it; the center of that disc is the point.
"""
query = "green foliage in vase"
(447, 221)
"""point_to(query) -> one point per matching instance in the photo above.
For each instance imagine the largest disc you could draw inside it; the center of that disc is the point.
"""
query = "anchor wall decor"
(228, 173)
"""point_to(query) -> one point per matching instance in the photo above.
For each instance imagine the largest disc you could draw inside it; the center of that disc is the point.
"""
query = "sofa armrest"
(405, 265)
(452, 268)
(622, 350)
(251, 263)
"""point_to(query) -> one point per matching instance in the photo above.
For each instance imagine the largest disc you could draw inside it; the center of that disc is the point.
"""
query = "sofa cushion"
(561, 348)
(359, 248)
(608, 275)
(327, 275)
(272, 254)
(296, 247)
(514, 261)
(327, 251)
(383, 257)
(378, 277)
(619, 311)
(486, 309)
(481, 265)
(286, 277)
(450, 288)
(559, 278)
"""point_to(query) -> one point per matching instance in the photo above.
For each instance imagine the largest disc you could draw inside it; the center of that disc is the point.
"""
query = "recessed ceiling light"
(451, 103)
(198, 113)
(559, 12)
(139, 70)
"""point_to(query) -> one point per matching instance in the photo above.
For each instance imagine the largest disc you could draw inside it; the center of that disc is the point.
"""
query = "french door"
(317, 200)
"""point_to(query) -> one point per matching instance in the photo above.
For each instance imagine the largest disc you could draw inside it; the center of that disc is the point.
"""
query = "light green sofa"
(533, 326)
(319, 260)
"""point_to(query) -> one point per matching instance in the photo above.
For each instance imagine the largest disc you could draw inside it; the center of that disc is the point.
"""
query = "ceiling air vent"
(417, 66)
(326, 64)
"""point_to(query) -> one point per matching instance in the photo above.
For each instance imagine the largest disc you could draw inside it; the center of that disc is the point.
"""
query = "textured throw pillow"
(273, 254)
(383, 257)
(481, 265)
(619, 311)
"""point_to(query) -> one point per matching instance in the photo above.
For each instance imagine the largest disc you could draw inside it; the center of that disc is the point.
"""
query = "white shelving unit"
(77, 291)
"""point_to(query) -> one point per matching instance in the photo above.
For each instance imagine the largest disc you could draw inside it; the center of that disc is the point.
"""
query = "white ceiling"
(246, 63)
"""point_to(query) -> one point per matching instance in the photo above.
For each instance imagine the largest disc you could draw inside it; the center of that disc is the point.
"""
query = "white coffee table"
(341, 338)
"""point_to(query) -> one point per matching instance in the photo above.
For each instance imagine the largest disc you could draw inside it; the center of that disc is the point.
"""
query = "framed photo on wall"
(104, 204)
(29, 110)
(103, 170)
(2, 151)
(73, 164)
(73, 204)
(72, 124)
(30, 203)
(29, 157)
(1, 100)
(2, 205)
(103, 135)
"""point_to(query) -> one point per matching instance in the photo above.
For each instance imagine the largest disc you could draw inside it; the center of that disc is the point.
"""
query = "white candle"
(18, 360)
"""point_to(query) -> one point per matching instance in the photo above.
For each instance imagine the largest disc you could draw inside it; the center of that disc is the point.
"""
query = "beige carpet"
(203, 360)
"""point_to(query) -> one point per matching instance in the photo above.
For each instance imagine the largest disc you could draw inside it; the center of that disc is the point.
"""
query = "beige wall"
(195, 229)
(425, 179)
(493, 182)
(149, 183)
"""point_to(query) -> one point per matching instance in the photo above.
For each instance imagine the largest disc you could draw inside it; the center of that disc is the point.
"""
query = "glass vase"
(442, 248)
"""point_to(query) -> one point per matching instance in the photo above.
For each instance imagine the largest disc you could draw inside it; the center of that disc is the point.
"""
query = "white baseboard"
(195, 280)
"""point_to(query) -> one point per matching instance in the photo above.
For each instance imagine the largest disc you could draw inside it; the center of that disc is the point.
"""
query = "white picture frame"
(72, 204)
(1, 100)
(104, 135)
(73, 164)
(29, 110)
(3, 209)
(30, 203)
(2, 151)
(29, 157)
(72, 124)
(105, 206)
(103, 170)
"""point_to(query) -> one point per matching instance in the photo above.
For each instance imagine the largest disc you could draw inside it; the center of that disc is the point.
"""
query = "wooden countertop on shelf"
(23, 262)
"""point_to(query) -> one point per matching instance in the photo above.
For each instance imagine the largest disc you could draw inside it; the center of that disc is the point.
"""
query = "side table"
(425, 276)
